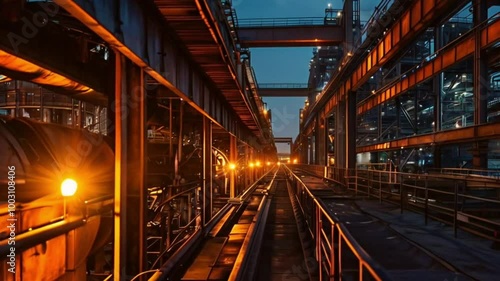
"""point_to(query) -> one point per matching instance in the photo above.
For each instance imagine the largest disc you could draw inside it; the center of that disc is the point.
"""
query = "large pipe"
(40, 235)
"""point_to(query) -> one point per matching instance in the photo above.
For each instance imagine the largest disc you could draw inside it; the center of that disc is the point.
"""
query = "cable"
(144, 272)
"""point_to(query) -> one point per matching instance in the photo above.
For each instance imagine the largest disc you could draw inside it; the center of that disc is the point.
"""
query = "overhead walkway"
(290, 32)
(283, 89)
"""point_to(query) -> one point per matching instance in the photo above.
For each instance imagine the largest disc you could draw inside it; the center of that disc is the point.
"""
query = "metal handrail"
(276, 22)
(495, 174)
(283, 85)
(435, 195)
(46, 232)
(344, 236)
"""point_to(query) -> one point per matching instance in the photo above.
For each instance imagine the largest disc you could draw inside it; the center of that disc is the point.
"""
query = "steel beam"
(130, 176)
(351, 129)
(283, 140)
(138, 31)
(44, 53)
(481, 84)
(340, 134)
(321, 145)
(291, 36)
(481, 81)
(361, 66)
(233, 158)
(283, 92)
(207, 171)
(447, 57)
(462, 135)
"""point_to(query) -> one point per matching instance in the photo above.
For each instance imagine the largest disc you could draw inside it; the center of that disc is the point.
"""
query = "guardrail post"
(370, 181)
(339, 269)
(402, 195)
(426, 215)
(360, 270)
(356, 181)
(380, 186)
(332, 252)
(455, 206)
(318, 241)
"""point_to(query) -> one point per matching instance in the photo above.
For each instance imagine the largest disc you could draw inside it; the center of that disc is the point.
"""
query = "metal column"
(348, 24)
(350, 136)
(481, 85)
(340, 135)
(437, 81)
(310, 148)
(130, 188)
(233, 158)
(207, 170)
(321, 142)
(18, 100)
(247, 169)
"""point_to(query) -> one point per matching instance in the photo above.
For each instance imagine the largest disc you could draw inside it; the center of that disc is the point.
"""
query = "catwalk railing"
(281, 22)
(333, 242)
(462, 198)
(51, 227)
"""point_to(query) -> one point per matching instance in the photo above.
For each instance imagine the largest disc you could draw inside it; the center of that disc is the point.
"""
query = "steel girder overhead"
(39, 50)
(138, 30)
(361, 66)
(200, 24)
(283, 91)
(291, 36)
(453, 53)
(472, 133)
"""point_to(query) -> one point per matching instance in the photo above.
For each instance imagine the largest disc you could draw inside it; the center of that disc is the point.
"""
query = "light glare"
(68, 187)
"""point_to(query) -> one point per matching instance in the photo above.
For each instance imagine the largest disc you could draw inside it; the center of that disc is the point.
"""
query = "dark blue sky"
(287, 65)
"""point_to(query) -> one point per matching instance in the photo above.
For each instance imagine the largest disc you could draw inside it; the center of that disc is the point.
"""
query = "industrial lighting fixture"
(232, 166)
(68, 187)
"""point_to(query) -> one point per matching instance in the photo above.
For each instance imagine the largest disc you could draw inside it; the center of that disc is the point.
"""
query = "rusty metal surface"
(218, 254)
(480, 132)
(443, 59)
(202, 32)
(201, 267)
(137, 29)
(360, 67)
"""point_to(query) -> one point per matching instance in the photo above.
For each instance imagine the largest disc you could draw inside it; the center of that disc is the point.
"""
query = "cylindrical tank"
(45, 154)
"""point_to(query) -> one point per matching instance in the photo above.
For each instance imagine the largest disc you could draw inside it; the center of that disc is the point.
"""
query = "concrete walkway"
(469, 254)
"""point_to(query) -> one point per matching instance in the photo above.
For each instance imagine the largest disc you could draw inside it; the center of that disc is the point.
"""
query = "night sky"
(287, 65)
